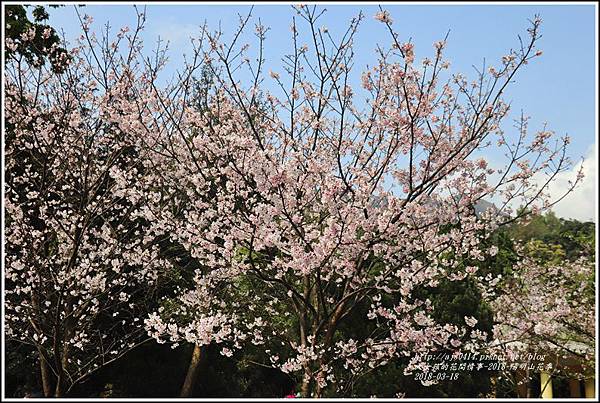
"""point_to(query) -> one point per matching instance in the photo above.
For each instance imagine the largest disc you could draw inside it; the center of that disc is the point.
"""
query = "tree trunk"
(60, 381)
(318, 392)
(66, 351)
(58, 390)
(188, 384)
(304, 329)
(528, 377)
(45, 372)
(46, 376)
(328, 340)
(305, 391)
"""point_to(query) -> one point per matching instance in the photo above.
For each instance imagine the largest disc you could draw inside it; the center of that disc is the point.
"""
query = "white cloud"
(581, 203)
(177, 34)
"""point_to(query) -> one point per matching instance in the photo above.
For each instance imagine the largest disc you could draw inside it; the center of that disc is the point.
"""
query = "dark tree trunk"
(65, 355)
(305, 389)
(188, 384)
(46, 376)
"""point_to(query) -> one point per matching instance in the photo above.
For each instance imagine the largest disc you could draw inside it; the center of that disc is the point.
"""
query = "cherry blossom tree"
(80, 266)
(546, 307)
(305, 197)
(301, 198)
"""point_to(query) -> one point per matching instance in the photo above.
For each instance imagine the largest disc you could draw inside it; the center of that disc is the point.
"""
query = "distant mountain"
(481, 206)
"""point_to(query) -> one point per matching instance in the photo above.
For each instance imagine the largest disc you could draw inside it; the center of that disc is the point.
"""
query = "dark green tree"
(43, 45)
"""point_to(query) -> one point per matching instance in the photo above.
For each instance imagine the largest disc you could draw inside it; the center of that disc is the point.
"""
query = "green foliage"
(545, 253)
(574, 237)
(42, 47)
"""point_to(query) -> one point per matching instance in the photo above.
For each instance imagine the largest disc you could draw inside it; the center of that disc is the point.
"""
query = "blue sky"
(557, 88)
